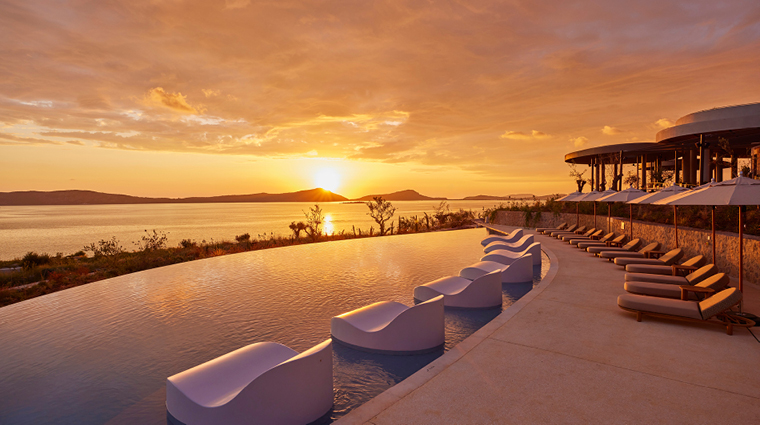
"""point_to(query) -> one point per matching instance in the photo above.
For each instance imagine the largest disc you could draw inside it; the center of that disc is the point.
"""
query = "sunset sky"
(451, 98)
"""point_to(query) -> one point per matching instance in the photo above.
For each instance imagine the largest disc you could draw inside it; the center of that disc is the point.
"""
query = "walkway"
(565, 353)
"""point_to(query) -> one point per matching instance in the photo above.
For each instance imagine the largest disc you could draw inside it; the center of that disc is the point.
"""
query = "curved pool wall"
(101, 352)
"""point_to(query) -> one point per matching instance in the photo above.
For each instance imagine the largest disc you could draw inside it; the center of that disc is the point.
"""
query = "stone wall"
(692, 241)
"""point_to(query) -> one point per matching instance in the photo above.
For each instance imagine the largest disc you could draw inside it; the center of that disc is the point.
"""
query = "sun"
(327, 178)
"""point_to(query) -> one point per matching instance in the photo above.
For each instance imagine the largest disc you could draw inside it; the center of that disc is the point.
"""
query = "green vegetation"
(314, 220)
(381, 211)
(38, 274)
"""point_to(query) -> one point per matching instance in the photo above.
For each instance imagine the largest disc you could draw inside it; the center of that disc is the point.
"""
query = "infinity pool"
(100, 353)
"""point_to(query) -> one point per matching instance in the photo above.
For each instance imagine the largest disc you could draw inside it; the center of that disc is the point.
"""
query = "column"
(692, 166)
(620, 181)
(676, 180)
(596, 162)
(643, 172)
(706, 166)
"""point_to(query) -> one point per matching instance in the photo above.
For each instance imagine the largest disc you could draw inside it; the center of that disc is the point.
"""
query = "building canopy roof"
(740, 125)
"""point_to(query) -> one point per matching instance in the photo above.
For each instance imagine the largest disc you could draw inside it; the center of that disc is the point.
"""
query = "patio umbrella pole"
(741, 252)
(578, 214)
(609, 216)
(675, 222)
(631, 226)
(715, 260)
(594, 214)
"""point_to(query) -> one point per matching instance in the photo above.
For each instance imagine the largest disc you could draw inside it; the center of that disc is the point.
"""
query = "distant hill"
(403, 195)
(516, 197)
(84, 197)
(485, 198)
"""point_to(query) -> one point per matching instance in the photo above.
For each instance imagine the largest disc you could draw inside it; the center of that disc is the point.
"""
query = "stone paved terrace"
(565, 353)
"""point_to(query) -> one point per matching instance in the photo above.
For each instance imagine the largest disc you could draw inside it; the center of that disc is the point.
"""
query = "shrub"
(314, 220)
(32, 260)
(245, 237)
(381, 211)
(187, 243)
(105, 248)
(152, 241)
(441, 213)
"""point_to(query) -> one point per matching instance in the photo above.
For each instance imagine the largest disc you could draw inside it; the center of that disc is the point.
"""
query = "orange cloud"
(579, 142)
(664, 123)
(611, 131)
(174, 101)
(518, 135)
(211, 93)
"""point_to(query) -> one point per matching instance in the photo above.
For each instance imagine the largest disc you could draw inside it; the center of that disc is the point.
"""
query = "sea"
(66, 229)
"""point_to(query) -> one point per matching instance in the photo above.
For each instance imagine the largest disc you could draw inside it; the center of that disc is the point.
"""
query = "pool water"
(101, 353)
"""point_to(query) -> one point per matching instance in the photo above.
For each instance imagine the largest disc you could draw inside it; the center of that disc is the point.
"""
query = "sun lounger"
(520, 271)
(630, 246)
(692, 278)
(578, 239)
(566, 229)
(519, 245)
(512, 237)
(587, 235)
(602, 242)
(716, 306)
(508, 257)
(393, 328)
(560, 233)
(611, 255)
(570, 235)
(699, 291)
(688, 266)
(262, 383)
(543, 229)
(670, 258)
(662, 269)
(482, 292)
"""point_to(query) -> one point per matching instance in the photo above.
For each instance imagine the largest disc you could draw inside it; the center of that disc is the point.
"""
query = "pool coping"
(379, 403)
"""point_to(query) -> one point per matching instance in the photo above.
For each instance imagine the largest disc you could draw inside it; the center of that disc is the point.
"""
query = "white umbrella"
(741, 191)
(666, 201)
(605, 194)
(656, 196)
(711, 183)
(662, 194)
(625, 196)
(573, 197)
(591, 196)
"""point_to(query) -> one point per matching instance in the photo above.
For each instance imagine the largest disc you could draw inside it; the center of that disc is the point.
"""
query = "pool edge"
(378, 404)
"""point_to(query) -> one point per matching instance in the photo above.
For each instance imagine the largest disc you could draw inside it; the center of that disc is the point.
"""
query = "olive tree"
(381, 211)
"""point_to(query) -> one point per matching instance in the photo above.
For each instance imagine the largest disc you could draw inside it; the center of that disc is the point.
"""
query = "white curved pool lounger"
(520, 271)
(512, 237)
(482, 292)
(508, 257)
(517, 246)
(265, 382)
(392, 328)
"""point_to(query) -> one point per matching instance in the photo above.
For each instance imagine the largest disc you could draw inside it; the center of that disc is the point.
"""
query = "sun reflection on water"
(329, 229)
